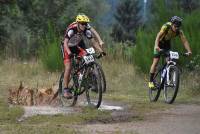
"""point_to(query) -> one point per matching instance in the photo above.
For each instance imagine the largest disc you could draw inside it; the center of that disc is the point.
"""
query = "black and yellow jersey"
(168, 33)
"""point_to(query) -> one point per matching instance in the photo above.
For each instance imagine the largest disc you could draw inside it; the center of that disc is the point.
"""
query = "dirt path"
(183, 119)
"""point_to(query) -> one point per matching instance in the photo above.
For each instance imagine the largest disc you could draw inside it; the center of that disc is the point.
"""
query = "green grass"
(127, 85)
(9, 114)
(36, 129)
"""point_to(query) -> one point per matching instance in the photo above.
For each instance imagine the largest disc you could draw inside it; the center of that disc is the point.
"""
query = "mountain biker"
(74, 44)
(162, 43)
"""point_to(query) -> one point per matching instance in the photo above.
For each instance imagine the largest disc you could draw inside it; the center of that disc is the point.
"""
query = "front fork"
(165, 74)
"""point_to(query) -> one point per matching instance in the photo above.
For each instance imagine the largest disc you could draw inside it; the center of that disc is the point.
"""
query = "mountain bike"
(167, 78)
(85, 78)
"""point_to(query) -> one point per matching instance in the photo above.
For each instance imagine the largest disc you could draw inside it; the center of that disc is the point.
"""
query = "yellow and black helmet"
(82, 18)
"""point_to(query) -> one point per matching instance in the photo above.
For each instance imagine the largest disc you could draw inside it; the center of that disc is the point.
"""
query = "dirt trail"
(183, 119)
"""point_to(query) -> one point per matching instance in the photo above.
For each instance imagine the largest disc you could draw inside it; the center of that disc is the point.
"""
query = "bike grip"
(103, 53)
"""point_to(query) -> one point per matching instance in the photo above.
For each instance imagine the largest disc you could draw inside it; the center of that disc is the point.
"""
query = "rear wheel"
(154, 93)
(64, 101)
(93, 88)
(171, 85)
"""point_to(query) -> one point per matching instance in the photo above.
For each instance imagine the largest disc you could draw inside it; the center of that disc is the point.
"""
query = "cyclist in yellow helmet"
(168, 31)
(74, 44)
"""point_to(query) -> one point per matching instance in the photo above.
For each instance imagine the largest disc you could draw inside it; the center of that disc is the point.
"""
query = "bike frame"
(76, 69)
(165, 71)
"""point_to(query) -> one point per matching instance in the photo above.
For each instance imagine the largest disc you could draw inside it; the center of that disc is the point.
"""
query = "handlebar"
(166, 53)
(98, 56)
(186, 54)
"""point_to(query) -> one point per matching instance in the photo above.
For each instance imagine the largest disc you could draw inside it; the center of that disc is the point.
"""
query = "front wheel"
(171, 85)
(94, 87)
(102, 77)
(154, 93)
(64, 101)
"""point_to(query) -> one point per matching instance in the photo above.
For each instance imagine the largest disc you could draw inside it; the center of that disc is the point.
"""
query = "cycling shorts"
(78, 50)
(165, 45)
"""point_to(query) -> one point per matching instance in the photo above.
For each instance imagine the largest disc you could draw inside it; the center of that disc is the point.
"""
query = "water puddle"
(107, 107)
(49, 110)
(45, 110)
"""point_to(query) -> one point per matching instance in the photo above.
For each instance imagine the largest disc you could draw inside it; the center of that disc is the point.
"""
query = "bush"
(50, 54)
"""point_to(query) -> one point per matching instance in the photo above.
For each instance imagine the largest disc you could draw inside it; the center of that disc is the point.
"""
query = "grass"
(125, 86)
(9, 115)
(128, 86)
(189, 88)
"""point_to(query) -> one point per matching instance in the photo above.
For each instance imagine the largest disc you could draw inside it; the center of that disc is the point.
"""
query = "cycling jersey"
(75, 41)
(167, 35)
(168, 32)
(74, 36)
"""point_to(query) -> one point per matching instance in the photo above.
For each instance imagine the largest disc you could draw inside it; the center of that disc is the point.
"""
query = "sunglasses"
(177, 28)
(177, 25)
(84, 24)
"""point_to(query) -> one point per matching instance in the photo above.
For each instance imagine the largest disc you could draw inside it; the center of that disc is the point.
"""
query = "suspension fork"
(170, 63)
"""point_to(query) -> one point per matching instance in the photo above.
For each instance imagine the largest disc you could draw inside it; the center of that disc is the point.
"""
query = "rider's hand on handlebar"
(188, 54)
(103, 53)
(158, 49)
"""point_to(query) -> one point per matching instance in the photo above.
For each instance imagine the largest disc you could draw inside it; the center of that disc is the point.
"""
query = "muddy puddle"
(45, 101)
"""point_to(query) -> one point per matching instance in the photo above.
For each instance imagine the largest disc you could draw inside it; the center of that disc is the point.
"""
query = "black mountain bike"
(85, 78)
(167, 78)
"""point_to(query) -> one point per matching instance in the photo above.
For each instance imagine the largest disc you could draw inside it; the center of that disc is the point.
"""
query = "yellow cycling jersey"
(168, 32)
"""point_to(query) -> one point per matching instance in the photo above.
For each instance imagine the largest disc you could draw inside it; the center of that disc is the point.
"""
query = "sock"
(151, 76)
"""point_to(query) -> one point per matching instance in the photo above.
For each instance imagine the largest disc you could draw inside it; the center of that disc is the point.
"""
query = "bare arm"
(185, 42)
(97, 36)
(96, 46)
(158, 38)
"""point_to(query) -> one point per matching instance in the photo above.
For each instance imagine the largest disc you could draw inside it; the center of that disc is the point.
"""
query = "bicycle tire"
(167, 88)
(91, 93)
(155, 92)
(102, 77)
(63, 100)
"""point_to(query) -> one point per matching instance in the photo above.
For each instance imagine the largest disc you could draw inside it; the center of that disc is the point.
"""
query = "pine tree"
(127, 21)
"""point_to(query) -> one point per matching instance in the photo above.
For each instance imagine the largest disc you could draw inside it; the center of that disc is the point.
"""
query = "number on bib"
(88, 59)
(90, 50)
(174, 55)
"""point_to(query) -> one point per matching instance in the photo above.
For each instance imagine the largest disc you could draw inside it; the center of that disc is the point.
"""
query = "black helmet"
(176, 20)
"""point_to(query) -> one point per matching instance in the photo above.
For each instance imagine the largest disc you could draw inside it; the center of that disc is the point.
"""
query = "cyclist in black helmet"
(168, 31)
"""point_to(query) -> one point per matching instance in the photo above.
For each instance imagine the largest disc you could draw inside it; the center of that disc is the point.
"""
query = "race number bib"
(88, 59)
(174, 55)
(90, 50)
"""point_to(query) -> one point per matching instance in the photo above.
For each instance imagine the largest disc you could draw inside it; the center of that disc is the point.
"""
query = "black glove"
(103, 53)
(188, 53)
